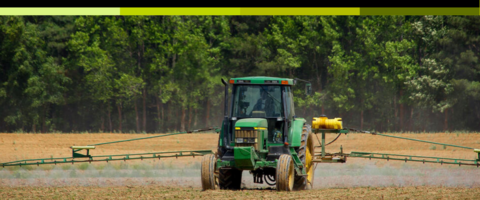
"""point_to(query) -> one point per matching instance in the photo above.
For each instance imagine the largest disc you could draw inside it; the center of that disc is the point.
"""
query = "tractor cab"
(270, 102)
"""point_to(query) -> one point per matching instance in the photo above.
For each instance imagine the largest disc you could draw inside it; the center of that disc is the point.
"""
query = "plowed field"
(179, 178)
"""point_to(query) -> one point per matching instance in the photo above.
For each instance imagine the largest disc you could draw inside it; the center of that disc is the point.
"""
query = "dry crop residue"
(174, 192)
(172, 178)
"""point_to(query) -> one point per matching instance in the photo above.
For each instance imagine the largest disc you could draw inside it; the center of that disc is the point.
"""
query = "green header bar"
(300, 11)
(419, 11)
(59, 11)
(179, 11)
(240, 11)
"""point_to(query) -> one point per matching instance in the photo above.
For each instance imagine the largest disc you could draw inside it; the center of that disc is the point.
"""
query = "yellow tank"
(325, 123)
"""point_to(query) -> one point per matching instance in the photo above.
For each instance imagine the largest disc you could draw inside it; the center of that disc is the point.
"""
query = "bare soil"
(179, 192)
(179, 178)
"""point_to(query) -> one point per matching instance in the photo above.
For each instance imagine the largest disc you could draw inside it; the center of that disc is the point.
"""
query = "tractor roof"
(262, 80)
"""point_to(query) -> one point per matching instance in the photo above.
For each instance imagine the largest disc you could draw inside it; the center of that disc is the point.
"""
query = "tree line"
(162, 73)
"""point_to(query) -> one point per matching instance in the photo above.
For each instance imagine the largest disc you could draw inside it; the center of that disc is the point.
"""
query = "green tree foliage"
(162, 73)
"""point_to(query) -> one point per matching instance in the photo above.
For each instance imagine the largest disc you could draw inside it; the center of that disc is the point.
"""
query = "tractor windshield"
(258, 101)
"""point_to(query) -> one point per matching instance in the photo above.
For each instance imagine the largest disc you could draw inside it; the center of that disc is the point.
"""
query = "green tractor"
(262, 134)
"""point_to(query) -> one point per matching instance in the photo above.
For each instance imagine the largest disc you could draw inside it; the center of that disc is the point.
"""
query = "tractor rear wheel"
(285, 173)
(305, 154)
(208, 172)
(230, 179)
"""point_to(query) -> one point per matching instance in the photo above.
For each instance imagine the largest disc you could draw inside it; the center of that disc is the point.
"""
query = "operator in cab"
(265, 102)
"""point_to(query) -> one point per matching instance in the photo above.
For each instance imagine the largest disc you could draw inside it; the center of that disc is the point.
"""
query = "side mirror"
(308, 89)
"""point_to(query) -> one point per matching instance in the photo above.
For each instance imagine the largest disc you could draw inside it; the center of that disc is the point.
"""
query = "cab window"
(257, 101)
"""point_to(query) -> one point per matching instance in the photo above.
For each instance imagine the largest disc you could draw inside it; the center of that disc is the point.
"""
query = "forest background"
(136, 74)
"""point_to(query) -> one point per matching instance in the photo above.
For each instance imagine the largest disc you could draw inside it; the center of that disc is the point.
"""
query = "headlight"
(251, 140)
(239, 140)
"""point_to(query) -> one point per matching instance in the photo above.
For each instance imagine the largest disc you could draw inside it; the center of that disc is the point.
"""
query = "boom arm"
(341, 157)
(77, 157)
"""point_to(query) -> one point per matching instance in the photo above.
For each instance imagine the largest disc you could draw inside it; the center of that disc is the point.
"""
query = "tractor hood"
(252, 122)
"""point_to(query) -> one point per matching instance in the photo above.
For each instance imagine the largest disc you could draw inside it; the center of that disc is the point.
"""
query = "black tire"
(230, 179)
(305, 182)
(285, 173)
(208, 172)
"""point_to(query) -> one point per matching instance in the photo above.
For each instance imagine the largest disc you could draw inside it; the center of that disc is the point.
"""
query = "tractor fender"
(295, 132)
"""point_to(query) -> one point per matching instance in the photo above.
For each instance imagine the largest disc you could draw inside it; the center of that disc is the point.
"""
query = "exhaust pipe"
(225, 120)
(226, 98)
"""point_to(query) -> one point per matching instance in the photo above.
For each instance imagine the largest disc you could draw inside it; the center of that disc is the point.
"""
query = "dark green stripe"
(419, 11)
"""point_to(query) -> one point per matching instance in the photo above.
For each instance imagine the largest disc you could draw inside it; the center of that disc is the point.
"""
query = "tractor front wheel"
(305, 153)
(285, 173)
(208, 172)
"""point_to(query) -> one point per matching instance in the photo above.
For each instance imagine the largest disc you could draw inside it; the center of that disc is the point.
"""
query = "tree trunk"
(182, 122)
(44, 124)
(169, 113)
(144, 110)
(34, 128)
(53, 117)
(361, 120)
(119, 118)
(381, 123)
(478, 114)
(190, 114)
(388, 123)
(158, 114)
(401, 113)
(207, 118)
(136, 116)
(195, 119)
(75, 120)
(162, 122)
(419, 117)
(110, 120)
(173, 60)
(71, 117)
(445, 128)
(426, 122)
(395, 107)
(411, 119)
(319, 79)
(102, 126)
(305, 111)
(179, 122)
(320, 91)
